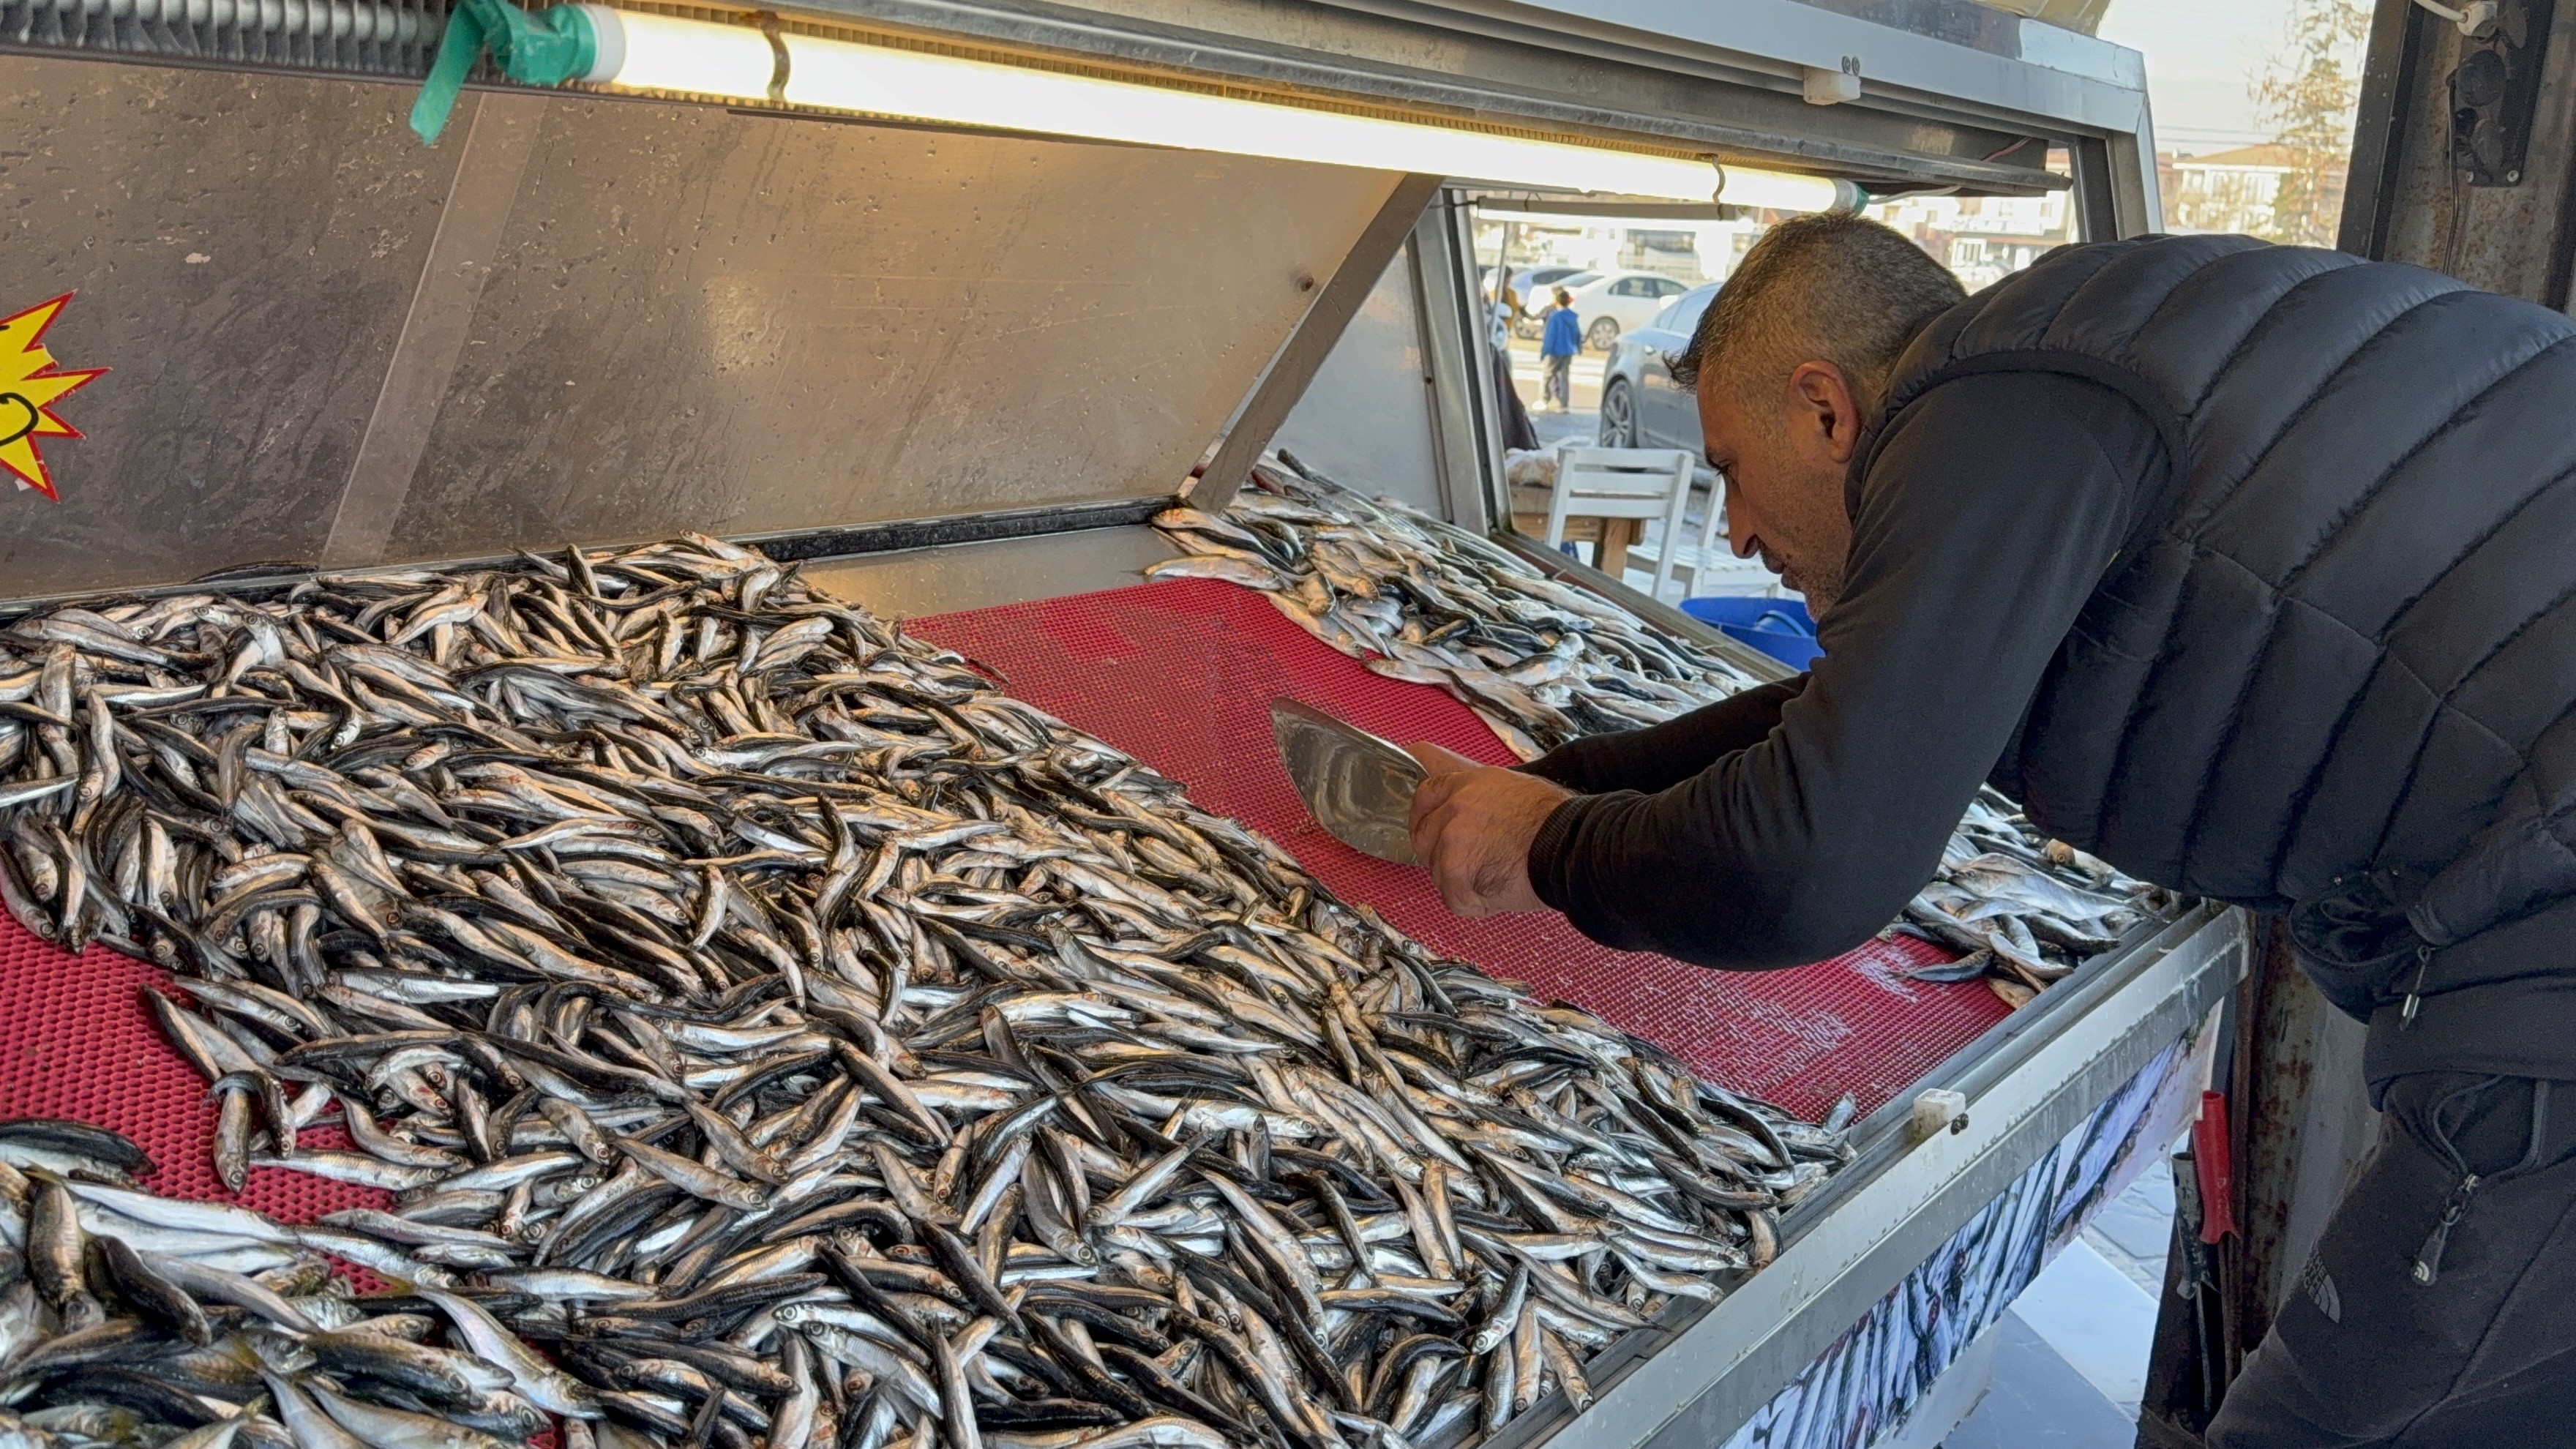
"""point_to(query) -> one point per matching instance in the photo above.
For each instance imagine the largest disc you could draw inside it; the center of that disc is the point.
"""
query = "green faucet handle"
(544, 48)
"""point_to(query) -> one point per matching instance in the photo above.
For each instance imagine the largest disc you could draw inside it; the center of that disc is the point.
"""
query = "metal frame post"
(1466, 423)
(2389, 73)
(2137, 198)
(2300, 1124)
(2408, 200)
(2097, 208)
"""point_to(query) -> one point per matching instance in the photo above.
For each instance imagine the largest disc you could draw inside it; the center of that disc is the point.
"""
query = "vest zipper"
(2415, 996)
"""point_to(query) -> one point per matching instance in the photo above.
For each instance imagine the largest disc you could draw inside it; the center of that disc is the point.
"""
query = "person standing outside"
(1557, 346)
(1517, 431)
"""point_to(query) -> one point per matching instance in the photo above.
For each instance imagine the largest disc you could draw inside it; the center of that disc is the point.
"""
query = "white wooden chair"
(1704, 566)
(1638, 483)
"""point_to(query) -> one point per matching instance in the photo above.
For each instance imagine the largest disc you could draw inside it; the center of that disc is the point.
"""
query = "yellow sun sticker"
(30, 385)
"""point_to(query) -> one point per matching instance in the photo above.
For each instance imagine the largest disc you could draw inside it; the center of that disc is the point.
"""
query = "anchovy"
(545, 1385)
(151, 1292)
(78, 1139)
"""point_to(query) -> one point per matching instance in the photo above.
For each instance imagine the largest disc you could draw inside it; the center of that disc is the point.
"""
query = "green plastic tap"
(545, 48)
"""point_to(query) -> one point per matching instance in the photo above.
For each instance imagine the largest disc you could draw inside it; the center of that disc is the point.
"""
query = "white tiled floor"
(2071, 1362)
(2037, 1402)
(2134, 1231)
(2096, 1319)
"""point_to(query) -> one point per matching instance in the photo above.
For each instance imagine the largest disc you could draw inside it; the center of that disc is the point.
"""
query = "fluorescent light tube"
(1787, 191)
(658, 53)
(653, 52)
(845, 76)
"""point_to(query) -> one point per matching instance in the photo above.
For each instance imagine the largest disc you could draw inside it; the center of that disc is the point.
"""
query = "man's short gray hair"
(1833, 288)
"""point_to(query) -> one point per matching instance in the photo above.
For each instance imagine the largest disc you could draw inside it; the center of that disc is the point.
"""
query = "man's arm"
(1984, 525)
(1659, 757)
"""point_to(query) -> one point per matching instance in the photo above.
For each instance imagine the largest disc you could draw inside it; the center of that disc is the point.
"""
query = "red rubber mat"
(1181, 673)
(76, 1041)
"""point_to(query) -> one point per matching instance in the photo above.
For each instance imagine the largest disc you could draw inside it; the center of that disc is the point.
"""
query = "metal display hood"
(586, 316)
(959, 365)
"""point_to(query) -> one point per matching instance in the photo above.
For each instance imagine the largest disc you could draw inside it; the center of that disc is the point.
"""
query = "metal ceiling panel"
(1948, 87)
(719, 320)
(1959, 52)
(595, 319)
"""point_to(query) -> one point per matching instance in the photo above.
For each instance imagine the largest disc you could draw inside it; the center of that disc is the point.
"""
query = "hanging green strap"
(546, 48)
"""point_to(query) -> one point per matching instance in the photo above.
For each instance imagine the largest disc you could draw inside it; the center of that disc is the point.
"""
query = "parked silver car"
(1641, 405)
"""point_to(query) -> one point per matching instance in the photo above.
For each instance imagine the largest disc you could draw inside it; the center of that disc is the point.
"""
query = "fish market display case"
(954, 369)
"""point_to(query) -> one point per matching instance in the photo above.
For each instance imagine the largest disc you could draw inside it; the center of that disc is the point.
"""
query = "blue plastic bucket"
(1777, 627)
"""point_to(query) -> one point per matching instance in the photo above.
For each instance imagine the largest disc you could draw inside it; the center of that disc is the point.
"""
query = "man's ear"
(1824, 401)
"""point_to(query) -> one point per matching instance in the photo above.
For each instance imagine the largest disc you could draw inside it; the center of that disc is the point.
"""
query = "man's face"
(1783, 448)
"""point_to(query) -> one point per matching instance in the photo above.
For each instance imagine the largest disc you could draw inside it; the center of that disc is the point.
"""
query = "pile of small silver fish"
(2024, 909)
(1415, 599)
(799, 1041)
(1540, 662)
(133, 1319)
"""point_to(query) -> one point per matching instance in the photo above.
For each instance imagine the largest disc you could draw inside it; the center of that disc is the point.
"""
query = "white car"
(1610, 303)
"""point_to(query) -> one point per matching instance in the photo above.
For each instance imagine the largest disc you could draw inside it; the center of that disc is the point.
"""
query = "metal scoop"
(1357, 786)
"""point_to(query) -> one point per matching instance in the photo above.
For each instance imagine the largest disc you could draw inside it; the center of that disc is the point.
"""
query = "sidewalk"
(1529, 377)
(1582, 427)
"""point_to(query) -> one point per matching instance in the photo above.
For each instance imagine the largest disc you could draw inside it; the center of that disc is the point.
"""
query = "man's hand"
(1472, 826)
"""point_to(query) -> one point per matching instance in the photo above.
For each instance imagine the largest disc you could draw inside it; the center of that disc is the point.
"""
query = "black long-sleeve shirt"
(1791, 822)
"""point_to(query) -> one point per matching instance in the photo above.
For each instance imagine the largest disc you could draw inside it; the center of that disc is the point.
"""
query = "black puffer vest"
(2333, 669)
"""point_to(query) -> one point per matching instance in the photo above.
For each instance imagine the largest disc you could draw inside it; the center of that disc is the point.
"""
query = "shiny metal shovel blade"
(1356, 785)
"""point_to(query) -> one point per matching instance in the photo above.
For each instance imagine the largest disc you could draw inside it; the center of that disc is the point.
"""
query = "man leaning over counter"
(2249, 569)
